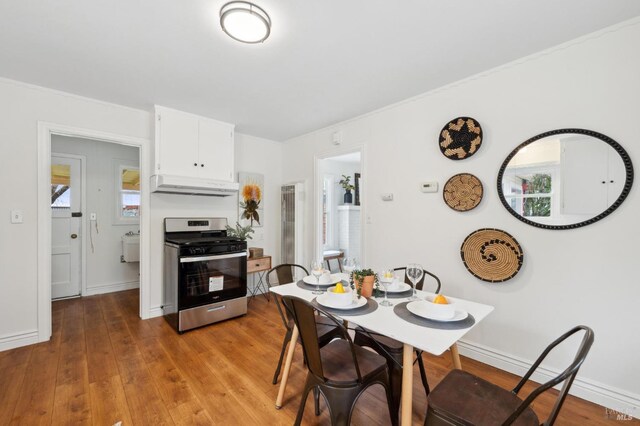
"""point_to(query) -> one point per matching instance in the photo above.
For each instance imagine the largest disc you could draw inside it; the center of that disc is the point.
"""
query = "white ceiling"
(326, 60)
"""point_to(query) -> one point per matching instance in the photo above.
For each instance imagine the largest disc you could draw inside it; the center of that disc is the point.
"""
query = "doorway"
(95, 241)
(339, 207)
(47, 132)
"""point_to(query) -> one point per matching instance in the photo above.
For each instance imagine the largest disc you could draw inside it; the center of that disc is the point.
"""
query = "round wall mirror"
(565, 179)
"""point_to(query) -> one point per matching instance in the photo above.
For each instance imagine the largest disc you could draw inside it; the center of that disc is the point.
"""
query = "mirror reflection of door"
(66, 228)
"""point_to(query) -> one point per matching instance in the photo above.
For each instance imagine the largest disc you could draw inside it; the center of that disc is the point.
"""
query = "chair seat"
(474, 402)
(338, 366)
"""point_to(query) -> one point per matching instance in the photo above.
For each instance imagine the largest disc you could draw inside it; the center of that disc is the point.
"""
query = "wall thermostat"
(429, 186)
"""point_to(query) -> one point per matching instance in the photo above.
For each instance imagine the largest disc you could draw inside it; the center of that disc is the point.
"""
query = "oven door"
(211, 278)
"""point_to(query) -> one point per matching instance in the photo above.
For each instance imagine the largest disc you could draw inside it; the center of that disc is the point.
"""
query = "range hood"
(193, 186)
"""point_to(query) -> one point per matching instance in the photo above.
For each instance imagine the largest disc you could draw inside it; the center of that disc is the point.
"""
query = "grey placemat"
(312, 287)
(401, 310)
(396, 295)
(371, 306)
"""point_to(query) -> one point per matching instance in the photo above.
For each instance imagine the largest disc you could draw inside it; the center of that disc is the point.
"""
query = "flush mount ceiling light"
(245, 22)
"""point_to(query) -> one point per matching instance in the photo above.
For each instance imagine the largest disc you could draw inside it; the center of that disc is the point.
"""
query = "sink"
(131, 248)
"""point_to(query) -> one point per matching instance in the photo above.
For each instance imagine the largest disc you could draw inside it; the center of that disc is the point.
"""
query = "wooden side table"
(260, 266)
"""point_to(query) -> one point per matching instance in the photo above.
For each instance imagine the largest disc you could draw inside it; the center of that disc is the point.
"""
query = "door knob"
(74, 236)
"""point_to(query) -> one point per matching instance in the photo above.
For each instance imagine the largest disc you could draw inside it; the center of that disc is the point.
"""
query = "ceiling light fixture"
(245, 22)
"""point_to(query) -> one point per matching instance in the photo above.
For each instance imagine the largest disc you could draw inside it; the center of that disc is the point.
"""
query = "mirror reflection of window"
(129, 192)
(565, 178)
(61, 186)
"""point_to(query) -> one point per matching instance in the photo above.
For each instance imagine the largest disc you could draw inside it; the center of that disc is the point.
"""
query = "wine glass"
(414, 272)
(386, 277)
(349, 265)
(317, 269)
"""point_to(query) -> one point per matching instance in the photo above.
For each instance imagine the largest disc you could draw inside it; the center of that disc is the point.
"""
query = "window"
(60, 186)
(128, 194)
(531, 194)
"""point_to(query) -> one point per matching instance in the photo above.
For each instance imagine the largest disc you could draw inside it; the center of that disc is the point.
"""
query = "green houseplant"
(363, 282)
(241, 232)
(345, 182)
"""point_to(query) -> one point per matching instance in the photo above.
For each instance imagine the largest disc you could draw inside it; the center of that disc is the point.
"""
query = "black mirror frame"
(615, 145)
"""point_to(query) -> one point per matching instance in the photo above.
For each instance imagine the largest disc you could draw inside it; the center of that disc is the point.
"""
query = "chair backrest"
(433, 280)
(285, 273)
(304, 315)
(567, 376)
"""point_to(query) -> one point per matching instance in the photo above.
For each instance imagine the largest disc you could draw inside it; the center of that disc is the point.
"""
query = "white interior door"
(66, 226)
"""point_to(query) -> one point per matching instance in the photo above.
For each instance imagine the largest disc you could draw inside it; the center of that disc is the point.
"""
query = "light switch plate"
(429, 186)
(387, 197)
(16, 216)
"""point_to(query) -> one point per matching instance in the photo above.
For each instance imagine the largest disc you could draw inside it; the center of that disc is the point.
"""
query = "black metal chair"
(464, 399)
(285, 274)
(334, 262)
(392, 349)
(341, 370)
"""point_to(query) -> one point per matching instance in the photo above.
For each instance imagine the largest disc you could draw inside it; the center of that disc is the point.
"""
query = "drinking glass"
(386, 278)
(414, 272)
(317, 269)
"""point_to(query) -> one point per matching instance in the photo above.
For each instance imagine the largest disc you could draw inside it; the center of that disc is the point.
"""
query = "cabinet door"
(177, 144)
(216, 150)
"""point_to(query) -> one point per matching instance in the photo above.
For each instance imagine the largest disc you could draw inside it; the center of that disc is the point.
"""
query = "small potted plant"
(345, 182)
(241, 232)
(363, 282)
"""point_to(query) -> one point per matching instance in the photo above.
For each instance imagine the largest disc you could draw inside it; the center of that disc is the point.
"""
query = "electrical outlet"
(387, 197)
(93, 216)
(16, 216)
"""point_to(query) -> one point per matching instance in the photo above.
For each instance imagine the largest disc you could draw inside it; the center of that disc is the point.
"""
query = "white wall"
(21, 107)
(105, 273)
(583, 276)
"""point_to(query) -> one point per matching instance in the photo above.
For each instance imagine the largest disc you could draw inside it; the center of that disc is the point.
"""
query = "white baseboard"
(155, 312)
(110, 288)
(622, 402)
(13, 341)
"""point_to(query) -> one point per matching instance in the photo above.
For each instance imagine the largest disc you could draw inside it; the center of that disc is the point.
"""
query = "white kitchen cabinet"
(193, 146)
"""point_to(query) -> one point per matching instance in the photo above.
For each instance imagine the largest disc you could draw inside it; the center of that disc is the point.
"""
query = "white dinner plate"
(421, 309)
(402, 287)
(311, 280)
(324, 301)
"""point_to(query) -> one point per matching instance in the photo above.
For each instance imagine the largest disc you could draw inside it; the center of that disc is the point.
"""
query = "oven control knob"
(233, 247)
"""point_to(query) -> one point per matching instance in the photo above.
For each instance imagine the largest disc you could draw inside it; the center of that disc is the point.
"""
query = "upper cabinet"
(193, 146)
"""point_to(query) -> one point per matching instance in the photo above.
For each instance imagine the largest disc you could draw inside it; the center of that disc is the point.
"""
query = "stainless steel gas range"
(205, 273)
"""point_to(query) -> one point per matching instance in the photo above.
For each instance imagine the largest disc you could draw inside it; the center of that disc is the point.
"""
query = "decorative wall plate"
(492, 255)
(462, 192)
(460, 138)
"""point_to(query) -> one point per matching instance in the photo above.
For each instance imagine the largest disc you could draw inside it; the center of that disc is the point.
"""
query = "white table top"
(384, 321)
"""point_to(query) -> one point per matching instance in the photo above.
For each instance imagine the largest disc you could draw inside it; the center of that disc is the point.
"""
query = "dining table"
(434, 338)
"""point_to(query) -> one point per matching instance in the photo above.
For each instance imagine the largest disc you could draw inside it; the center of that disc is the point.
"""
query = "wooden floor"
(104, 365)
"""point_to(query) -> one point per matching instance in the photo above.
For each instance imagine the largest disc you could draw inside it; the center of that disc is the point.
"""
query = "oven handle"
(216, 257)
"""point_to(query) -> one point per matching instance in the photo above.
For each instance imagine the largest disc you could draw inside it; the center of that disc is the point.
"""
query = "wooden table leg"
(455, 356)
(407, 385)
(287, 366)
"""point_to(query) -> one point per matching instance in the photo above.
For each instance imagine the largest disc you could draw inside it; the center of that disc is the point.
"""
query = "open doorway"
(339, 208)
(47, 132)
(95, 217)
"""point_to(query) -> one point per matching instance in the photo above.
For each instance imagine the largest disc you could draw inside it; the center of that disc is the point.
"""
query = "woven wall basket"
(460, 138)
(463, 192)
(492, 255)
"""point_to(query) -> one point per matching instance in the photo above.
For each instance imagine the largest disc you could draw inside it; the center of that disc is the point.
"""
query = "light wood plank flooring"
(104, 365)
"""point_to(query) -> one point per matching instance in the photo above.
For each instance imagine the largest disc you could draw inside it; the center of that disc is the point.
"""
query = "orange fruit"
(440, 300)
